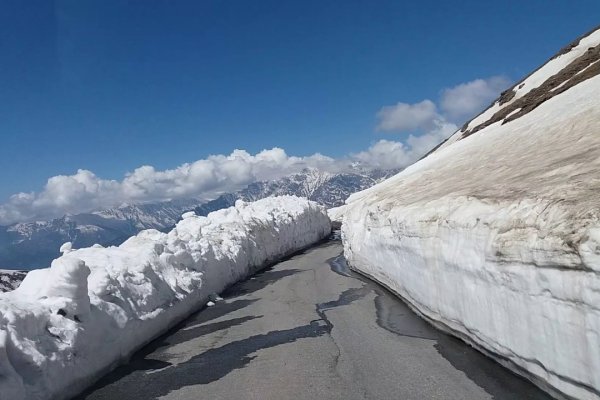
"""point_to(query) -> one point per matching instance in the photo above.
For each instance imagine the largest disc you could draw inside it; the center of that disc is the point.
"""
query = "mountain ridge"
(32, 245)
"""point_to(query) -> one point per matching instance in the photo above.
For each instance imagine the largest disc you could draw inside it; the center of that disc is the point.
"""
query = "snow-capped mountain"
(495, 235)
(10, 280)
(34, 244)
(327, 189)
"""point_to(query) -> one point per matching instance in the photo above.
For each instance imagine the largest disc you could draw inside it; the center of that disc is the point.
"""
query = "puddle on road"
(393, 315)
(340, 266)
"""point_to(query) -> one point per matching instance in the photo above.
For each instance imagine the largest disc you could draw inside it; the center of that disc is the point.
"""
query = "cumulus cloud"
(429, 123)
(455, 105)
(421, 144)
(389, 154)
(467, 99)
(205, 179)
(407, 117)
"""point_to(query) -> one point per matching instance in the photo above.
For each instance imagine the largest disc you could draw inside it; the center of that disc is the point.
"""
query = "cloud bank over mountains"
(206, 178)
(428, 123)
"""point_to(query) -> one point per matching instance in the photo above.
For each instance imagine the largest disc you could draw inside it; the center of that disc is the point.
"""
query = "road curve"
(308, 328)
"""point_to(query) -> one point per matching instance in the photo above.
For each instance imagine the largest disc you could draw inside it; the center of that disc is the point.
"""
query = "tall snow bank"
(496, 238)
(66, 325)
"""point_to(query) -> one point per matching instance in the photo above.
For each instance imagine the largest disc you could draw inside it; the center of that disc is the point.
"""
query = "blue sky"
(108, 86)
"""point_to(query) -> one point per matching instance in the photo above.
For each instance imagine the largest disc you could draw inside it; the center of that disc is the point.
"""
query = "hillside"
(495, 235)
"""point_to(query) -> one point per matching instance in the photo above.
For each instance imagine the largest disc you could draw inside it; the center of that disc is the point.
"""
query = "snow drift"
(495, 236)
(68, 324)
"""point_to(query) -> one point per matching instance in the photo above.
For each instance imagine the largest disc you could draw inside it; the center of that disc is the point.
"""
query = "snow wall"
(67, 325)
(496, 239)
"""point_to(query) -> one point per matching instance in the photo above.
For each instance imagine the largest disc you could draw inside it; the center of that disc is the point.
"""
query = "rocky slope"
(10, 280)
(327, 189)
(495, 235)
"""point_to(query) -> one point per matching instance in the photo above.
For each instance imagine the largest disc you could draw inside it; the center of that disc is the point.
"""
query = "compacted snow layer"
(496, 238)
(67, 324)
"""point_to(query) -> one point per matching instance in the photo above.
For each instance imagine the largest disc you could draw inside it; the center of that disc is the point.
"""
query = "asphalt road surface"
(308, 328)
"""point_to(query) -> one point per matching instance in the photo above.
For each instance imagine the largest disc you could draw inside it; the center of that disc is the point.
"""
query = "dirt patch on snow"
(581, 69)
(506, 96)
(564, 80)
(574, 43)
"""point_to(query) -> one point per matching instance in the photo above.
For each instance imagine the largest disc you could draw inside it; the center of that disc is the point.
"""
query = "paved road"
(309, 329)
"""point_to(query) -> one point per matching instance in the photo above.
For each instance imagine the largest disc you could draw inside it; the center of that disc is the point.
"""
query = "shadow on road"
(204, 368)
(257, 282)
(150, 358)
(152, 375)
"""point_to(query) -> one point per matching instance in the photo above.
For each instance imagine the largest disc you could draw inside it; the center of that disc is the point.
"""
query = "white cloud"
(467, 99)
(422, 144)
(204, 179)
(386, 153)
(456, 105)
(407, 117)
(389, 154)
(434, 123)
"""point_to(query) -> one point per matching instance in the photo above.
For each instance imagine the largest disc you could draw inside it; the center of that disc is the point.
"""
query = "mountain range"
(31, 245)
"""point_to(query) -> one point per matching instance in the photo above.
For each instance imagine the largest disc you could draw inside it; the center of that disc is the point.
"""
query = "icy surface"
(67, 324)
(496, 238)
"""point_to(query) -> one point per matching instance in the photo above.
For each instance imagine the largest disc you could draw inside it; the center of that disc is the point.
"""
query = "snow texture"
(68, 324)
(496, 238)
